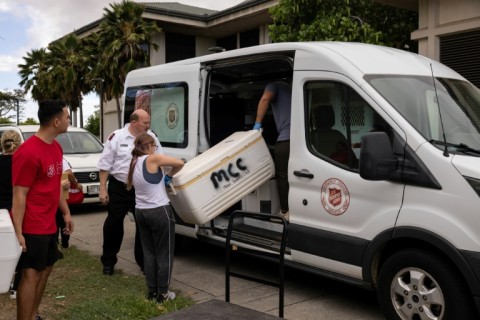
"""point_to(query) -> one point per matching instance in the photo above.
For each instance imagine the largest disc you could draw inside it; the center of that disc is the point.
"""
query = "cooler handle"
(172, 188)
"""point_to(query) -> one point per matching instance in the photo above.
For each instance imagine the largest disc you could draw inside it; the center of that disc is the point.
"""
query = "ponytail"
(140, 146)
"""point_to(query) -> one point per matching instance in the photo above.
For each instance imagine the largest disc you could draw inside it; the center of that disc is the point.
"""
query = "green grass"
(77, 289)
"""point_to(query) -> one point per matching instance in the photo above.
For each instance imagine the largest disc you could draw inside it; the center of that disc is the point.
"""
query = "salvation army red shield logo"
(335, 197)
(172, 115)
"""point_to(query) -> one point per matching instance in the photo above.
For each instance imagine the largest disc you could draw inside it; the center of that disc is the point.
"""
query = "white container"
(10, 251)
(218, 178)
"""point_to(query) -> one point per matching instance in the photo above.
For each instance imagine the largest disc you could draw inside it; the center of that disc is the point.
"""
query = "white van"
(397, 212)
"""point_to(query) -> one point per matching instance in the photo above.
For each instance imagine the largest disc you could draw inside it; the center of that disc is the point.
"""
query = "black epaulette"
(156, 135)
(111, 136)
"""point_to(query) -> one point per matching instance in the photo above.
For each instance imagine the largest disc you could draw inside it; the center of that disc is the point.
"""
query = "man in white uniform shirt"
(113, 166)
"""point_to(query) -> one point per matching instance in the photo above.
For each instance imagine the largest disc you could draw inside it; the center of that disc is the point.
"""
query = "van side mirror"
(377, 161)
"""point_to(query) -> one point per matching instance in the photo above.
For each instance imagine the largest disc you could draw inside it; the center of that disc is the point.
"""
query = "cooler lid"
(6, 225)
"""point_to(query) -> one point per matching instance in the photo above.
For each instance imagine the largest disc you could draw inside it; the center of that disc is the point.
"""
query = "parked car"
(81, 149)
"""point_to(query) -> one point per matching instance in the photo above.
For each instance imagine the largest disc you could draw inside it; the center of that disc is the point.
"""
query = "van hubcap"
(416, 294)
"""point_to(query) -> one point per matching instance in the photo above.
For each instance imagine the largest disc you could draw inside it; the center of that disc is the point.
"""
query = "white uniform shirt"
(117, 153)
(149, 187)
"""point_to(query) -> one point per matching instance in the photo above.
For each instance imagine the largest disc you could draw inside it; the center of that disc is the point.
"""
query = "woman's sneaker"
(152, 296)
(170, 295)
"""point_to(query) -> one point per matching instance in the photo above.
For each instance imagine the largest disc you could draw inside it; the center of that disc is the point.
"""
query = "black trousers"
(120, 202)
(282, 154)
(60, 226)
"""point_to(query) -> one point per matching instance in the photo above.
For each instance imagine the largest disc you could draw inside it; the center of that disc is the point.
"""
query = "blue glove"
(257, 126)
(167, 180)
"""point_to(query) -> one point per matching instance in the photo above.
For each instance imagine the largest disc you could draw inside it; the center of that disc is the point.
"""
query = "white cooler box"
(213, 181)
(10, 251)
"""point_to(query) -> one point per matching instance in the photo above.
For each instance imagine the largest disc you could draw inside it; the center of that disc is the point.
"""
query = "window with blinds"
(461, 53)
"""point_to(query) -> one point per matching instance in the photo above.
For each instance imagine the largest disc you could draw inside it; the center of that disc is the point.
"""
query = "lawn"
(78, 290)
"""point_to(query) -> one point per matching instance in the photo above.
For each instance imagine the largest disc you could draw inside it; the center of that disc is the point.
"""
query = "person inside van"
(279, 95)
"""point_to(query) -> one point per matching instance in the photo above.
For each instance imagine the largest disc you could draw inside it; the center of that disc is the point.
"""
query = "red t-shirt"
(38, 166)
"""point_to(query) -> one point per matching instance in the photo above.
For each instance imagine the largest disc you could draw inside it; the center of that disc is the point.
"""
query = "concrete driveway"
(199, 272)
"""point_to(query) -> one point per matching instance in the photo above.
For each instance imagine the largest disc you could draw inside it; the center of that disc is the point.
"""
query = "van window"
(167, 104)
(336, 119)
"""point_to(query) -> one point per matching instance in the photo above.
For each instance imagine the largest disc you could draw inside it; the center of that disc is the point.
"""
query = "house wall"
(202, 44)
(110, 121)
(439, 18)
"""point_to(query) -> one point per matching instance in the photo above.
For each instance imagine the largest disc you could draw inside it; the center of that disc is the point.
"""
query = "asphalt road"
(199, 272)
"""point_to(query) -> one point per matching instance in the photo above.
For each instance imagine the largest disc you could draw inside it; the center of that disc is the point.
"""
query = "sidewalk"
(199, 272)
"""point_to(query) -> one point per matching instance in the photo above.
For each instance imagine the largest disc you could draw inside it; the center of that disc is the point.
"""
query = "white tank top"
(149, 187)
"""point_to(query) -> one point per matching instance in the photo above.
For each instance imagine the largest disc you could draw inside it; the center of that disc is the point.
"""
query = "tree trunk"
(101, 114)
(80, 107)
(119, 113)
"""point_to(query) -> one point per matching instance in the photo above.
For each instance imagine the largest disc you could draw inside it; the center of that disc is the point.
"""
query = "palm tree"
(68, 72)
(34, 74)
(122, 38)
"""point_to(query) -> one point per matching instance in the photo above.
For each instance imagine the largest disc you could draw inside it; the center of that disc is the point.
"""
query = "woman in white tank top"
(153, 214)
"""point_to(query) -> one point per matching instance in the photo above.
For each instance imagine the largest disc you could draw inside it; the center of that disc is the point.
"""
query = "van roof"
(341, 57)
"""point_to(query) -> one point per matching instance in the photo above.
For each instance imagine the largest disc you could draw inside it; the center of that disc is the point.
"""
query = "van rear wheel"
(416, 284)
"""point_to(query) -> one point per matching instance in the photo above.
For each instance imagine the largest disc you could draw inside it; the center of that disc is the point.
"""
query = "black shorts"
(41, 251)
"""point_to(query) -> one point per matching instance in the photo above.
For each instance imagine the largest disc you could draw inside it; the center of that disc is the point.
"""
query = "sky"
(33, 24)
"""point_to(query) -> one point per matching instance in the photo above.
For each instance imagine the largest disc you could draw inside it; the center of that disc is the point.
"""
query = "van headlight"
(475, 183)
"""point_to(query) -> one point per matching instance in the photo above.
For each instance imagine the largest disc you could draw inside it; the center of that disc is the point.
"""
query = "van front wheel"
(417, 284)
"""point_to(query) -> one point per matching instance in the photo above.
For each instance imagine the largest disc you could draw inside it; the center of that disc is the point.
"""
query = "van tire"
(448, 297)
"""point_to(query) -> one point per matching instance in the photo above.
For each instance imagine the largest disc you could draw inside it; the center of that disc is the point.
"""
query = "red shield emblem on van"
(334, 196)
(171, 115)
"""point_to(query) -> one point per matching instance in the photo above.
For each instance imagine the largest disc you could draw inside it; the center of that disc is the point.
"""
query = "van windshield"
(451, 106)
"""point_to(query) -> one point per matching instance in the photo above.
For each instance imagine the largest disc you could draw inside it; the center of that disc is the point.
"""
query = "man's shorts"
(41, 251)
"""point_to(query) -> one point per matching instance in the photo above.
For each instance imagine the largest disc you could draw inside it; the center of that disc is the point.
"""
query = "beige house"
(449, 31)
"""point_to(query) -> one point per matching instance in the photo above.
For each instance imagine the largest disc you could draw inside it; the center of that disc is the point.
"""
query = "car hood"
(80, 161)
(467, 165)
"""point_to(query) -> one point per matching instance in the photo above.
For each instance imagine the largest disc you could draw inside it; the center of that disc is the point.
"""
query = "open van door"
(171, 96)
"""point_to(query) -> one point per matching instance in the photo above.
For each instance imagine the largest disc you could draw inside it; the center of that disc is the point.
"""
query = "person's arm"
(161, 160)
(72, 179)
(103, 195)
(105, 164)
(67, 217)
(18, 213)
(263, 105)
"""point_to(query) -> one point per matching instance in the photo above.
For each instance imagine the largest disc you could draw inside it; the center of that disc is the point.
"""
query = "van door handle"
(303, 173)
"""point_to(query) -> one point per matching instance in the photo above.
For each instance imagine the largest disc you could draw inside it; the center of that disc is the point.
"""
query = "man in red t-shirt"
(36, 174)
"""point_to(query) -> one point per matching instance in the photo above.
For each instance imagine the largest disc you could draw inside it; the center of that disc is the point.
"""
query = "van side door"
(171, 95)
(334, 213)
